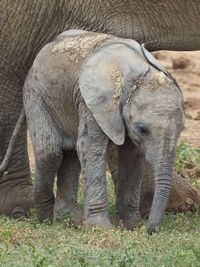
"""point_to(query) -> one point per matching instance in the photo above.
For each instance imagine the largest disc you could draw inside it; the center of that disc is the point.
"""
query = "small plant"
(187, 160)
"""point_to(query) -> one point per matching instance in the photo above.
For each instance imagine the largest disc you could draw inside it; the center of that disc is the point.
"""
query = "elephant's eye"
(143, 130)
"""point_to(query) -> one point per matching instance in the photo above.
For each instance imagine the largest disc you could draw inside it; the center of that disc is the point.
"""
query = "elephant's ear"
(153, 61)
(100, 82)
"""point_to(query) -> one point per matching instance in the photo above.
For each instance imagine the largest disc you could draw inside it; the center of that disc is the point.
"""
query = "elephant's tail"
(11, 144)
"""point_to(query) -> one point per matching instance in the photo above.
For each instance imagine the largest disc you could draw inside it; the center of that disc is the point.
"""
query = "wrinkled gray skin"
(83, 91)
(26, 26)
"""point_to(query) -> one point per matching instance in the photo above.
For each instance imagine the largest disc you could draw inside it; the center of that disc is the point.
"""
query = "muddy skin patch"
(116, 77)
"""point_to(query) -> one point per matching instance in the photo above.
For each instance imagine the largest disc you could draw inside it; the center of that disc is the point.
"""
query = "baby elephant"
(84, 91)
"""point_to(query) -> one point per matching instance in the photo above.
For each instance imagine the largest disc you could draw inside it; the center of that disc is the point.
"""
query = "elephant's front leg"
(92, 146)
(130, 175)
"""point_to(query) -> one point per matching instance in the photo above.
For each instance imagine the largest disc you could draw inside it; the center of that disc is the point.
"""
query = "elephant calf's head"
(153, 112)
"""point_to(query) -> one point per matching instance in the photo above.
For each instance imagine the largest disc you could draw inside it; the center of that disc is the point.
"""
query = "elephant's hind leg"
(45, 172)
(47, 145)
(67, 187)
(48, 156)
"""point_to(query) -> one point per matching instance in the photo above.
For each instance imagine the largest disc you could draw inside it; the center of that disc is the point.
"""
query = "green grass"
(27, 243)
(177, 243)
(187, 163)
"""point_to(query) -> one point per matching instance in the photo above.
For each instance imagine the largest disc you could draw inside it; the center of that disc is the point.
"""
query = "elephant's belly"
(67, 124)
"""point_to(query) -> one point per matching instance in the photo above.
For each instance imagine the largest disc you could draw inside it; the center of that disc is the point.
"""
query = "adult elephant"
(25, 26)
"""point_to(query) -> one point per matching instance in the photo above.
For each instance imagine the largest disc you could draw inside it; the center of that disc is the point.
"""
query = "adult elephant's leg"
(16, 196)
(130, 175)
(67, 188)
(25, 27)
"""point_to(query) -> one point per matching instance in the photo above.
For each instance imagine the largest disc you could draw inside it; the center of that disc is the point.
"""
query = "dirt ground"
(185, 68)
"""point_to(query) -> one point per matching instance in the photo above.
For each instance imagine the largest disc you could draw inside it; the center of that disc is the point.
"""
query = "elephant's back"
(58, 63)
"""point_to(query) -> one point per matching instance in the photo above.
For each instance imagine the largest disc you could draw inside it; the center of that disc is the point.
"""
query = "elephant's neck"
(159, 24)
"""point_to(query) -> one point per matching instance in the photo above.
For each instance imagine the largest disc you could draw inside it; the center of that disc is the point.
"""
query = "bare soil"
(185, 68)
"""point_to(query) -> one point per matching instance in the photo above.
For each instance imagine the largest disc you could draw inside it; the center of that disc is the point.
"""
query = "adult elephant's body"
(25, 26)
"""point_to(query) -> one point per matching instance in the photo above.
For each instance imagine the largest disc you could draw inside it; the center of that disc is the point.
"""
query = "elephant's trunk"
(163, 176)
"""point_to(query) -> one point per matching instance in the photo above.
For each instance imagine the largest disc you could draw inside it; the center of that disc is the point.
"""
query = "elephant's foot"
(98, 221)
(129, 221)
(16, 198)
(132, 221)
(44, 210)
(67, 210)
